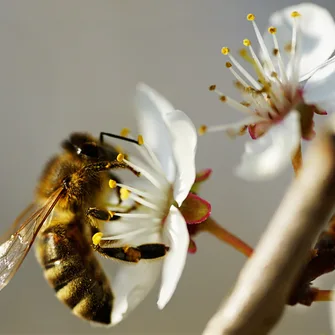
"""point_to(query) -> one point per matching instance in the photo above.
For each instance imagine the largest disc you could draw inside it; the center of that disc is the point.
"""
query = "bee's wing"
(15, 248)
(26, 215)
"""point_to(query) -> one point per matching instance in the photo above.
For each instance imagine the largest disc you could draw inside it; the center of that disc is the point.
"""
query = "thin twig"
(212, 227)
(264, 284)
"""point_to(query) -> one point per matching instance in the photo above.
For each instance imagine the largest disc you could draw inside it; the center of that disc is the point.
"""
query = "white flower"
(167, 172)
(280, 103)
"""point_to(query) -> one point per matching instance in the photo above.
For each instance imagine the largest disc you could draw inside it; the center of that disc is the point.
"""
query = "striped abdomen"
(71, 268)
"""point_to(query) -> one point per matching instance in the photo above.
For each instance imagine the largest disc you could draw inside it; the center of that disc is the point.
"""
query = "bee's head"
(83, 145)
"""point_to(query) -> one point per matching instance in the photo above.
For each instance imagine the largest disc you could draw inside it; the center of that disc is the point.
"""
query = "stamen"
(142, 171)
(144, 202)
(258, 66)
(294, 55)
(251, 17)
(295, 14)
(261, 42)
(154, 160)
(238, 77)
(140, 140)
(124, 194)
(129, 234)
(124, 132)
(245, 73)
(137, 191)
(272, 31)
(149, 155)
(96, 238)
(202, 130)
(112, 183)
(133, 215)
(233, 103)
(120, 157)
(228, 129)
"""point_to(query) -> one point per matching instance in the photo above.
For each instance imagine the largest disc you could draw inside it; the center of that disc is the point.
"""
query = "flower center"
(145, 204)
(275, 91)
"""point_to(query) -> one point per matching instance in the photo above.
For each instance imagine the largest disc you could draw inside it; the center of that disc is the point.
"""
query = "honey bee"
(70, 200)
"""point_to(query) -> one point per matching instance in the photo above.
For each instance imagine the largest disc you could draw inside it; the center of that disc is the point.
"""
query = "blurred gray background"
(71, 65)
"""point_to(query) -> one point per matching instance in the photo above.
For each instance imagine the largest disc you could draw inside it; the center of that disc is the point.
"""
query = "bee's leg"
(101, 214)
(96, 214)
(133, 254)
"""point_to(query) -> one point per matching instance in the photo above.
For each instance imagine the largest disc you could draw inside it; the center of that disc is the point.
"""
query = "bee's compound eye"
(89, 149)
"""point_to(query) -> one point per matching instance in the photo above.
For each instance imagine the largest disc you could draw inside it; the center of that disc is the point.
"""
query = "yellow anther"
(140, 140)
(245, 103)
(112, 183)
(246, 42)
(223, 98)
(228, 65)
(251, 17)
(295, 14)
(125, 132)
(120, 157)
(272, 30)
(275, 52)
(96, 238)
(124, 193)
(202, 129)
(239, 85)
(212, 87)
(225, 51)
(274, 74)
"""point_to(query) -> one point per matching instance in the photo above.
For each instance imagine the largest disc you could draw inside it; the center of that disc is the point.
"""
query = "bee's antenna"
(124, 138)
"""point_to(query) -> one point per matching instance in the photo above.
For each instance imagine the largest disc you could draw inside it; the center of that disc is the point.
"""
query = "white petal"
(268, 155)
(319, 89)
(184, 135)
(316, 40)
(131, 285)
(150, 109)
(176, 232)
(133, 282)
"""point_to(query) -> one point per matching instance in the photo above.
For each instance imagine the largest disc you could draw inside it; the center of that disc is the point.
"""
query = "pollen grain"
(96, 238)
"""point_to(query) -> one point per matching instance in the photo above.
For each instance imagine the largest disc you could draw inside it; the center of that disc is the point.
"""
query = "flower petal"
(319, 89)
(203, 175)
(175, 230)
(133, 282)
(316, 31)
(184, 135)
(200, 177)
(150, 110)
(131, 285)
(268, 155)
(195, 209)
(192, 248)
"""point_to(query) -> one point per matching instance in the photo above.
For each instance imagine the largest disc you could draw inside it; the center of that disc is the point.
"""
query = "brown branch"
(264, 285)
